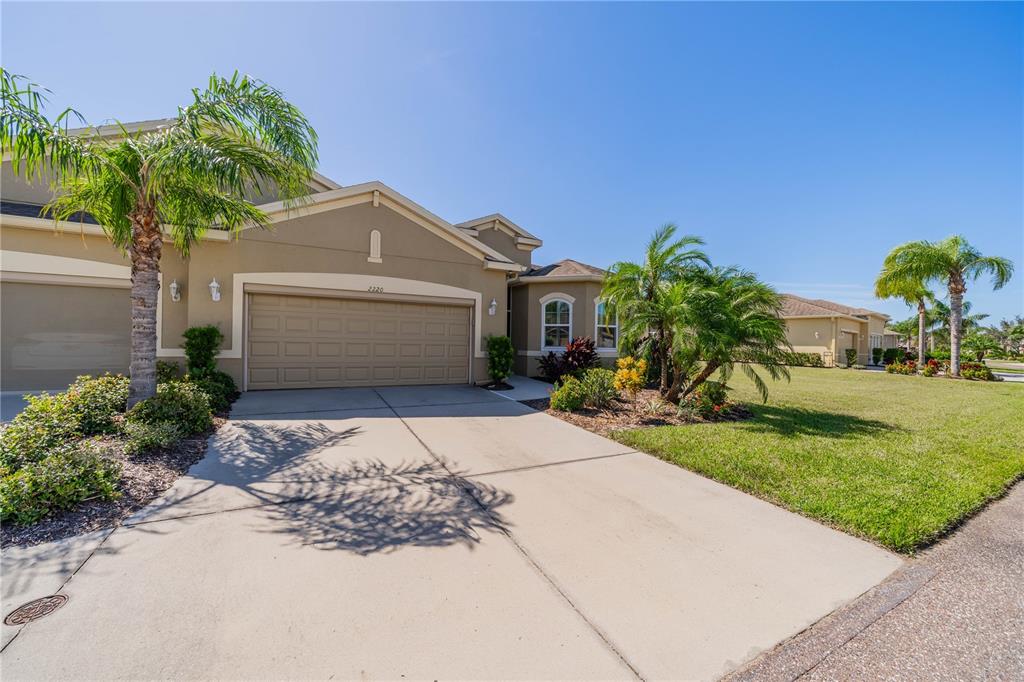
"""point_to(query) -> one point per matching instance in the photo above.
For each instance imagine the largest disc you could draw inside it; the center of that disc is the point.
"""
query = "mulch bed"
(143, 478)
(625, 415)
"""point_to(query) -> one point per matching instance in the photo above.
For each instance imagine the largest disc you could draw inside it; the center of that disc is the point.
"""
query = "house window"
(557, 315)
(606, 329)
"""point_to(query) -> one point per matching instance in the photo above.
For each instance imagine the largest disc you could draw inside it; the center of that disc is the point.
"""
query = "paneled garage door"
(309, 342)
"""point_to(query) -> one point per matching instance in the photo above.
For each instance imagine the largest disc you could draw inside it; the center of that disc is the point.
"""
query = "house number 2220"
(376, 290)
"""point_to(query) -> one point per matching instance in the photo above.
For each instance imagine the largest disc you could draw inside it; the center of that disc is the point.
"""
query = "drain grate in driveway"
(35, 609)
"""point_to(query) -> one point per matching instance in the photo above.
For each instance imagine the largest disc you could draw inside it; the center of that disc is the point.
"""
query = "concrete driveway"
(432, 532)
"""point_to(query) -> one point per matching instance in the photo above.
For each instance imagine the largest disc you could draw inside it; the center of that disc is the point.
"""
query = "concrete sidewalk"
(954, 613)
(438, 532)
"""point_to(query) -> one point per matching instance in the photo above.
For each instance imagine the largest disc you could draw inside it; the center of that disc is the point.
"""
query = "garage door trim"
(312, 292)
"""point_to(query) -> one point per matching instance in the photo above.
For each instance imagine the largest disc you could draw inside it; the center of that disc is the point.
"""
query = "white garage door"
(310, 342)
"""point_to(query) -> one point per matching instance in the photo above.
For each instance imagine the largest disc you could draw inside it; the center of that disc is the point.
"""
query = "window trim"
(601, 349)
(544, 301)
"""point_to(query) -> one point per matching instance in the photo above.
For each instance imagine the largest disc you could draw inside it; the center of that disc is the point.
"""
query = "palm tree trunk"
(663, 361)
(921, 311)
(956, 312)
(708, 370)
(145, 251)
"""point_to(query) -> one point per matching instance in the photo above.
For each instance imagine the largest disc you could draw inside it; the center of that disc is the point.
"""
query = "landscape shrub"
(804, 360)
(179, 402)
(929, 370)
(167, 371)
(876, 356)
(218, 386)
(851, 357)
(500, 356)
(891, 355)
(908, 367)
(579, 355)
(977, 371)
(598, 386)
(68, 475)
(47, 422)
(568, 395)
(142, 437)
(630, 375)
(201, 344)
(709, 400)
(97, 400)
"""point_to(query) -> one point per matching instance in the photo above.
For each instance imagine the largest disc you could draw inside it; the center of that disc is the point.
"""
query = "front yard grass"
(896, 459)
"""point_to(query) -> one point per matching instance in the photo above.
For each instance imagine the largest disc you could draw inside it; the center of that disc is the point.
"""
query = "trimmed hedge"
(500, 356)
(804, 360)
(67, 476)
(179, 402)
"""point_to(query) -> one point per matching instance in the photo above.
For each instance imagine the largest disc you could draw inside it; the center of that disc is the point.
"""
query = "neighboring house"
(360, 286)
(828, 329)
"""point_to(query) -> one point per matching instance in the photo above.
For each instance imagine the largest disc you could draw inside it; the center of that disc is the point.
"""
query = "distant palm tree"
(913, 292)
(722, 317)
(954, 262)
(636, 290)
(236, 137)
(939, 315)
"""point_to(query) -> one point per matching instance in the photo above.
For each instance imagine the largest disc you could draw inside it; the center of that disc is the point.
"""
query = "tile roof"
(565, 268)
(797, 306)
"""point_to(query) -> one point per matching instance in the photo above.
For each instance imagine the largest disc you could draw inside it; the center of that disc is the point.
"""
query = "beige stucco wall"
(505, 245)
(810, 335)
(335, 241)
(527, 316)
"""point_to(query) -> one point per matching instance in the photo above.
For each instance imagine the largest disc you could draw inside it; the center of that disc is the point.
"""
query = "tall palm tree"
(913, 292)
(939, 316)
(725, 316)
(236, 137)
(636, 290)
(954, 262)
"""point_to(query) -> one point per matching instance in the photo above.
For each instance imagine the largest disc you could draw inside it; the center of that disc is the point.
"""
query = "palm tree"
(237, 136)
(722, 317)
(636, 290)
(940, 313)
(954, 262)
(914, 293)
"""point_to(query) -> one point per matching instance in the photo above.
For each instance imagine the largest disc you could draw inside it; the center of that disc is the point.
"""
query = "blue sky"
(802, 141)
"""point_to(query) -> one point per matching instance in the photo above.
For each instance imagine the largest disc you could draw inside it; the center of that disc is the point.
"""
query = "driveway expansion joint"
(522, 550)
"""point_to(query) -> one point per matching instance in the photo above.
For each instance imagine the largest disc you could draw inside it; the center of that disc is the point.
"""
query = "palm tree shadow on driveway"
(314, 495)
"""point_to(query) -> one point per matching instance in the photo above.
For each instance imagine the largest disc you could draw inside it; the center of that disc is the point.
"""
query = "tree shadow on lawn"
(791, 422)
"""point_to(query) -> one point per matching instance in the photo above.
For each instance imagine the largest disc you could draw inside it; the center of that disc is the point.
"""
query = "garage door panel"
(321, 342)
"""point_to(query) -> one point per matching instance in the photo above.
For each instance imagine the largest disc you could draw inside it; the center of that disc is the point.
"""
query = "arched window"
(556, 323)
(374, 247)
(606, 326)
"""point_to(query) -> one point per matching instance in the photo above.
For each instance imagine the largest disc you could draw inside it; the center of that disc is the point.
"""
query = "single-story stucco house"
(361, 286)
(828, 329)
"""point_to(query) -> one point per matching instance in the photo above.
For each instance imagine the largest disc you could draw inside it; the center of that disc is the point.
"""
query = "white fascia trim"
(278, 211)
(527, 279)
(526, 241)
(26, 223)
(344, 282)
(44, 264)
(497, 217)
(823, 317)
(507, 267)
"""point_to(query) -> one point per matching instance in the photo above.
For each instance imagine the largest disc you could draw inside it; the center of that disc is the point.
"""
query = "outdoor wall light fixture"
(175, 291)
(817, 335)
(492, 308)
(215, 290)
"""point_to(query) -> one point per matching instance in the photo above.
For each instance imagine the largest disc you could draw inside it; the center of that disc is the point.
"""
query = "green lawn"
(896, 459)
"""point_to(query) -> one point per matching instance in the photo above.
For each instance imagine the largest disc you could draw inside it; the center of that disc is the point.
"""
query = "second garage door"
(310, 342)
